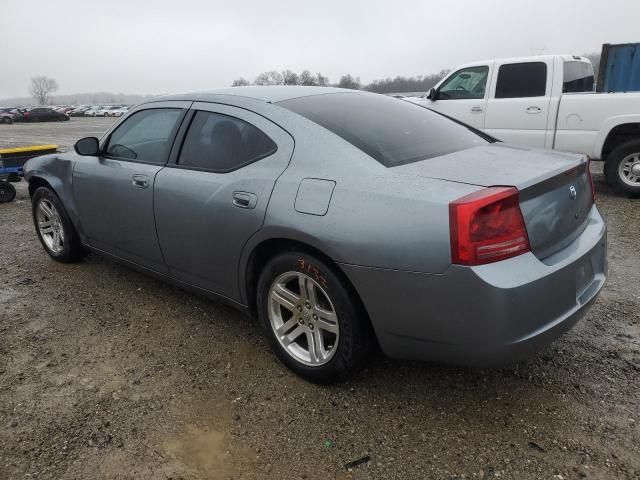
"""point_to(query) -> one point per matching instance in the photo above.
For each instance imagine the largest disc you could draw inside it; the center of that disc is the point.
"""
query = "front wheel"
(315, 325)
(622, 168)
(54, 228)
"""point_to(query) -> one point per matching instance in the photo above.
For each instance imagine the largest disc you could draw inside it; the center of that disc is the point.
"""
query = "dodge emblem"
(573, 192)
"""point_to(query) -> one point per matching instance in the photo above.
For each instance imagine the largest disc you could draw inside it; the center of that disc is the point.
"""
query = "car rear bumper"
(485, 315)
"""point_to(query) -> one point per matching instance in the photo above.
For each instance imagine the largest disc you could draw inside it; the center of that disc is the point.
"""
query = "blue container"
(619, 68)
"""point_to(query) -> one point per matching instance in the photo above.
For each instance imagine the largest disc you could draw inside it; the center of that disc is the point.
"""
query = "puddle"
(202, 450)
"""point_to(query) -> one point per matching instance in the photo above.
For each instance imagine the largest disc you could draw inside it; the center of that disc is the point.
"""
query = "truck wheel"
(622, 168)
(7, 192)
(54, 228)
(314, 323)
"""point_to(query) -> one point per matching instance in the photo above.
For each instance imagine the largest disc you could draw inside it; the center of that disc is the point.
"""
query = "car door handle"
(534, 109)
(140, 181)
(245, 200)
(477, 110)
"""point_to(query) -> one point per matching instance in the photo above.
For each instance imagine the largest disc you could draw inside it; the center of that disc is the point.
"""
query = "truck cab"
(547, 101)
(515, 99)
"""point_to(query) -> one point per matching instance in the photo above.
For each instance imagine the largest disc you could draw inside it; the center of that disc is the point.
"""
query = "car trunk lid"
(554, 188)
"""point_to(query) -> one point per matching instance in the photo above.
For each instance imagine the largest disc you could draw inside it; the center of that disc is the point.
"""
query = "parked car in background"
(42, 114)
(547, 102)
(79, 111)
(7, 115)
(92, 111)
(118, 112)
(106, 111)
(477, 252)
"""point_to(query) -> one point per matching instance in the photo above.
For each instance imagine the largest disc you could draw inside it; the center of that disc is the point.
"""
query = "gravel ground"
(106, 373)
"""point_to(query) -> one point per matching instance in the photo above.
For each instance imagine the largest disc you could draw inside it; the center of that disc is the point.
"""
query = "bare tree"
(321, 80)
(41, 87)
(240, 82)
(290, 78)
(269, 78)
(347, 81)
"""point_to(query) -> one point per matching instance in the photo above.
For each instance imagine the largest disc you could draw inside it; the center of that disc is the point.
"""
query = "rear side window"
(392, 131)
(220, 143)
(577, 77)
(519, 80)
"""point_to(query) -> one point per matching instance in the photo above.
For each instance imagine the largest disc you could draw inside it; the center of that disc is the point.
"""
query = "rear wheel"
(54, 228)
(622, 168)
(7, 192)
(7, 120)
(313, 321)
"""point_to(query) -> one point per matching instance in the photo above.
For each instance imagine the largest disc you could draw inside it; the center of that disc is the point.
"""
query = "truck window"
(519, 80)
(468, 83)
(577, 77)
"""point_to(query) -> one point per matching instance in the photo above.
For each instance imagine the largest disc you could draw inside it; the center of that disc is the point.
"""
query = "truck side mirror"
(433, 93)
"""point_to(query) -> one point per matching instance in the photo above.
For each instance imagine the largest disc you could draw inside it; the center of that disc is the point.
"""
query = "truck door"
(519, 101)
(463, 95)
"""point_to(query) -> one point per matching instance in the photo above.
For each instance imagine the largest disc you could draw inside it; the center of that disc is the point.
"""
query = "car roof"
(269, 94)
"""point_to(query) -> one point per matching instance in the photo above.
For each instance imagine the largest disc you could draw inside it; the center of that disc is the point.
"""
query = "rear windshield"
(392, 131)
(578, 77)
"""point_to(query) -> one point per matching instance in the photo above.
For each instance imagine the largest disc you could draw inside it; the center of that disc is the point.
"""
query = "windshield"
(392, 131)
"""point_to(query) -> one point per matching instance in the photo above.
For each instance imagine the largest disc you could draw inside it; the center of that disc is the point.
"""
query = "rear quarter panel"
(377, 217)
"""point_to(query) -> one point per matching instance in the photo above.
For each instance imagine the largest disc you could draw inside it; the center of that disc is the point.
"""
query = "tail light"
(487, 226)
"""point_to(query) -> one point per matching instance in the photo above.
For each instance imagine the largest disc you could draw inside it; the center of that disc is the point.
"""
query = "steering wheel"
(460, 88)
(119, 150)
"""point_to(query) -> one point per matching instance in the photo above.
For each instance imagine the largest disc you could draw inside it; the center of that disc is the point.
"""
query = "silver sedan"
(343, 220)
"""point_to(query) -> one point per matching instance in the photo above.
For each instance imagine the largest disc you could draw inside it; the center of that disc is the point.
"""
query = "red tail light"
(487, 226)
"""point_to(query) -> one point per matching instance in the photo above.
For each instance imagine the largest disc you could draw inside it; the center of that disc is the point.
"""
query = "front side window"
(145, 136)
(468, 83)
(577, 77)
(520, 80)
(393, 132)
(220, 143)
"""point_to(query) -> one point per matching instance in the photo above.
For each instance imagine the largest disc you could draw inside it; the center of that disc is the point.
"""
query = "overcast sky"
(164, 46)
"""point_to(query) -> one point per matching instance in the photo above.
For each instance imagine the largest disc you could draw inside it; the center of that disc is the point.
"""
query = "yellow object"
(33, 148)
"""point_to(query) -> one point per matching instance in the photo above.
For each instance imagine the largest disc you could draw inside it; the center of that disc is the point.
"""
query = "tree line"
(399, 84)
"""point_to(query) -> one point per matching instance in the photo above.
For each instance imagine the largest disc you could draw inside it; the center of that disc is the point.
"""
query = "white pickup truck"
(547, 102)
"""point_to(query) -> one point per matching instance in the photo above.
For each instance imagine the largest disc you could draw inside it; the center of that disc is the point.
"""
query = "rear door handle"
(140, 181)
(477, 110)
(534, 109)
(245, 200)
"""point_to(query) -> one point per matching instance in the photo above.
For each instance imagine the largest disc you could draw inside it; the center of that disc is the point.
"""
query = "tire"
(342, 341)
(7, 192)
(7, 120)
(620, 167)
(47, 208)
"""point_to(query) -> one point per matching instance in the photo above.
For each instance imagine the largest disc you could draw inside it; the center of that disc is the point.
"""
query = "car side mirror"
(88, 146)
(433, 94)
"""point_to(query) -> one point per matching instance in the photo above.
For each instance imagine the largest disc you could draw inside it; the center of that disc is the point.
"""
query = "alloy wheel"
(303, 318)
(50, 226)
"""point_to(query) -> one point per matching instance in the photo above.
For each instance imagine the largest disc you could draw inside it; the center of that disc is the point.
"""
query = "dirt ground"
(106, 373)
